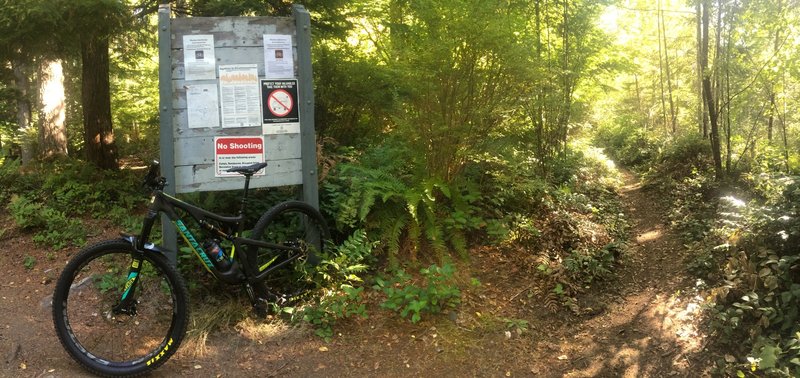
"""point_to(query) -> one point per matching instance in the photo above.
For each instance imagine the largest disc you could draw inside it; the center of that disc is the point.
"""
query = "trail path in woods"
(642, 323)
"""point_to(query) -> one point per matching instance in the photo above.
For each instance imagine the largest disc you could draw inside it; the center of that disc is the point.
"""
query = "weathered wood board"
(187, 154)
(237, 40)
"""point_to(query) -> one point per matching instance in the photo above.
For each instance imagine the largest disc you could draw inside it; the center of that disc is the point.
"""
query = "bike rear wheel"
(303, 236)
(292, 224)
(113, 340)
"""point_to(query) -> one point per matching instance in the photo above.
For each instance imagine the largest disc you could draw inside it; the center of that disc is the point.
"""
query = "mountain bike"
(120, 306)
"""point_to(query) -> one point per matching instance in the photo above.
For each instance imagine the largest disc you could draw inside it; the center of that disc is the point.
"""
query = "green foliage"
(14, 182)
(29, 262)
(346, 262)
(756, 311)
(595, 265)
(518, 325)
(435, 293)
(628, 144)
(53, 227)
(75, 187)
(336, 305)
(48, 199)
(114, 280)
(338, 276)
(693, 206)
(406, 213)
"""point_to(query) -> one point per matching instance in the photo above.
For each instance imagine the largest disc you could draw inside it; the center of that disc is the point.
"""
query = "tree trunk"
(661, 67)
(702, 112)
(568, 84)
(639, 109)
(709, 95)
(771, 118)
(673, 116)
(23, 111)
(52, 129)
(770, 86)
(783, 127)
(728, 99)
(96, 98)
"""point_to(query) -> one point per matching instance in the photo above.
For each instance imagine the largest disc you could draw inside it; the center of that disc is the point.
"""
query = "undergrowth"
(756, 302)
(52, 200)
(743, 236)
(388, 218)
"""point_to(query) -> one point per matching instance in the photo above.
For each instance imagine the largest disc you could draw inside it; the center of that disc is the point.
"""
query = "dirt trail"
(650, 325)
(644, 323)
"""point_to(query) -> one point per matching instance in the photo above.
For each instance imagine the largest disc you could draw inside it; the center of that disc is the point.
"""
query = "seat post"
(246, 189)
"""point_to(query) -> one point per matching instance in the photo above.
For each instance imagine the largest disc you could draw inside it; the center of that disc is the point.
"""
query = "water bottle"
(217, 255)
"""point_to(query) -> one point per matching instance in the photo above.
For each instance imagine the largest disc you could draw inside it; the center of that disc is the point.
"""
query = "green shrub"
(682, 157)
(405, 212)
(75, 187)
(338, 276)
(53, 227)
(631, 146)
(335, 305)
(14, 182)
(435, 294)
(756, 310)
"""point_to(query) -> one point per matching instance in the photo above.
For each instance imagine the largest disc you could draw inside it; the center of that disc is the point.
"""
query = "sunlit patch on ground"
(649, 236)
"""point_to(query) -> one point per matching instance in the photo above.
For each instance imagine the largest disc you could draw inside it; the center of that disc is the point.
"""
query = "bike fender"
(148, 247)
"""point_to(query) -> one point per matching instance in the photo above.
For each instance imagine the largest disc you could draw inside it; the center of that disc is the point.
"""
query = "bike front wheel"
(111, 336)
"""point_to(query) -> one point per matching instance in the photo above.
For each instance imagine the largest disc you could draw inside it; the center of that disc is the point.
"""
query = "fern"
(407, 213)
(459, 242)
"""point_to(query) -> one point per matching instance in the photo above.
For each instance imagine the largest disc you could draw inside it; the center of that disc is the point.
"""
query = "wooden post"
(308, 138)
(166, 142)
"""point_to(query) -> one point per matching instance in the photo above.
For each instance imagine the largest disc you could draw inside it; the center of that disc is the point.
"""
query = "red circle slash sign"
(280, 103)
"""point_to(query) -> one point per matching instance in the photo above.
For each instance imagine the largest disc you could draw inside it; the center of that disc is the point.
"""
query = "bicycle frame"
(244, 269)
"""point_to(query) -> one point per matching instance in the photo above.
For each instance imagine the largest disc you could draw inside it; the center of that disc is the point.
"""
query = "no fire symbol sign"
(279, 101)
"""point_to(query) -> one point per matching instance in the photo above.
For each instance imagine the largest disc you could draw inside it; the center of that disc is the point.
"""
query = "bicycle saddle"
(248, 170)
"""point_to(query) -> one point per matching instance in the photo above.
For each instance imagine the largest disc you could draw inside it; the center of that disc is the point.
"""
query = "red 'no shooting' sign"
(232, 152)
(279, 101)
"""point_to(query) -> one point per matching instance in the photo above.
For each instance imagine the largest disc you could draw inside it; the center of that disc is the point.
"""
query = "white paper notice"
(199, 60)
(281, 128)
(202, 105)
(278, 58)
(239, 93)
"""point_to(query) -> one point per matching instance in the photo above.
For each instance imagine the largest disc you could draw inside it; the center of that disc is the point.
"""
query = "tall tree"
(98, 133)
(702, 110)
(52, 127)
(708, 93)
(673, 114)
(661, 66)
(29, 45)
(22, 86)
(94, 22)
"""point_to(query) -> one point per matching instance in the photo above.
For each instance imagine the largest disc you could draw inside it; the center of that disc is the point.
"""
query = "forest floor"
(642, 323)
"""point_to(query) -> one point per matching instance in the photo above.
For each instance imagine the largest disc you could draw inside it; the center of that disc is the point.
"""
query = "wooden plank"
(231, 31)
(181, 129)
(200, 177)
(225, 56)
(237, 40)
(200, 149)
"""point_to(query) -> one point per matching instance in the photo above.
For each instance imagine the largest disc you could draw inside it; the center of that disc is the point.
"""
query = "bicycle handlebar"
(153, 178)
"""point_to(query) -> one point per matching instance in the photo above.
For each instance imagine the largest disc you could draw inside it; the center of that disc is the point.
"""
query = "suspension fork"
(127, 305)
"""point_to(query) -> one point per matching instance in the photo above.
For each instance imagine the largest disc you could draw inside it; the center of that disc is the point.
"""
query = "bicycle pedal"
(261, 308)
